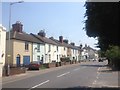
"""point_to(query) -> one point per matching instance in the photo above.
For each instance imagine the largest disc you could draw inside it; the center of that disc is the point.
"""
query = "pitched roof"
(65, 44)
(89, 48)
(44, 39)
(23, 37)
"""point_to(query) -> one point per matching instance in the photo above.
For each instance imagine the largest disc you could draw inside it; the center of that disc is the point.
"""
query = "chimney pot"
(72, 44)
(61, 39)
(66, 41)
(42, 33)
(17, 26)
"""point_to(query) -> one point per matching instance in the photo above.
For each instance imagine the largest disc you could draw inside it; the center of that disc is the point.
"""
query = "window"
(38, 47)
(49, 48)
(57, 48)
(64, 48)
(26, 46)
(73, 51)
(57, 57)
(38, 58)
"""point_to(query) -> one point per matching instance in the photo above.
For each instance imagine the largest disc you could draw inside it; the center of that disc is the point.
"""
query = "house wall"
(69, 53)
(64, 51)
(2, 48)
(37, 53)
(73, 53)
(91, 54)
(76, 54)
(19, 49)
(84, 54)
(59, 52)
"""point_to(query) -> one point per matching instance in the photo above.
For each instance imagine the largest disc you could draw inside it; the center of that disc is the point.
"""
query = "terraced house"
(51, 47)
(2, 47)
(67, 50)
(25, 48)
(22, 45)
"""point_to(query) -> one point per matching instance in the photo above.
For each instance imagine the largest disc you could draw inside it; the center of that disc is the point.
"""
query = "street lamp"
(8, 67)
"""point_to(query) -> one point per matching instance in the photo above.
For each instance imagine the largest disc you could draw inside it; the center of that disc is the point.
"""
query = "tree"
(102, 22)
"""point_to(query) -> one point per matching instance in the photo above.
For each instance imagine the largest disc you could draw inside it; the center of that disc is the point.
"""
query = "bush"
(113, 52)
(113, 55)
(65, 59)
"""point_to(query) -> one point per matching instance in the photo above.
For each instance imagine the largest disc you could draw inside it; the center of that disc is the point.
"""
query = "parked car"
(35, 65)
(100, 60)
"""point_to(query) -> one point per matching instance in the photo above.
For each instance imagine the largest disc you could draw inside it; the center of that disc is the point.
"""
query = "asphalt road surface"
(84, 75)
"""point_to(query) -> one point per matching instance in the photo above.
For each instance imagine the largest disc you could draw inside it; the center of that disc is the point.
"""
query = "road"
(83, 75)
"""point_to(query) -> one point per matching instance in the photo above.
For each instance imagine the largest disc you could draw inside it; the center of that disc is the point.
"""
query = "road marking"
(39, 84)
(63, 74)
(99, 69)
(94, 82)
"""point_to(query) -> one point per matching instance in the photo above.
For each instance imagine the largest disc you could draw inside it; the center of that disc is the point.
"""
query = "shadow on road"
(69, 88)
(88, 88)
(94, 65)
(109, 70)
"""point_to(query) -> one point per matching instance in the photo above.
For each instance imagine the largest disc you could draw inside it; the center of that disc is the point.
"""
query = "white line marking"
(99, 69)
(94, 82)
(63, 74)
(40, 84)
(97, 77)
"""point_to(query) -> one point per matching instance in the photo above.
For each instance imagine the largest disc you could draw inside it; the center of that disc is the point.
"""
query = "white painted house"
(74, 50)
(38, 50)
(61, 49)
(50, 49)
(2, 47)
(89, 53)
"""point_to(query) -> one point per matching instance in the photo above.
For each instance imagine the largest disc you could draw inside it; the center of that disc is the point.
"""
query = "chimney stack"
(42, 33)
(61, 39)
(51, 38)
(72, 44)
(66, 41)
(17, 27)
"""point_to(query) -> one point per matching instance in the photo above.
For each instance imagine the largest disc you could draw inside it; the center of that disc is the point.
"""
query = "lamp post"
(8, 67)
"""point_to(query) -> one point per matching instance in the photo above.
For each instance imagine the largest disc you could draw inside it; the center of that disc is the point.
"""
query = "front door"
(18, 61)
(26, 60)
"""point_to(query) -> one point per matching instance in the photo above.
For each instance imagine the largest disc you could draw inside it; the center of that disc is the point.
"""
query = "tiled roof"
(65, 44)
(44, 39)
(23, 37)
(89, 48)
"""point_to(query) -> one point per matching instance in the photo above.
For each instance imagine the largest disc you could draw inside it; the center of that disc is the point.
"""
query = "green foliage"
(113, 53)
(101, 53)
(103, 22)
(65, 59)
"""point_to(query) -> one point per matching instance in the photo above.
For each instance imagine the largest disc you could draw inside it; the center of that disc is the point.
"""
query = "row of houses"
(18, 48)
(24, 48)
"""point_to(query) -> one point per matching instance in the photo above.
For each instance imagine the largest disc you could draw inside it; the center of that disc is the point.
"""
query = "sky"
(56, 18)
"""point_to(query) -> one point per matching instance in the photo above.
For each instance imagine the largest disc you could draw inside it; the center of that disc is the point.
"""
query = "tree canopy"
(103, 22)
